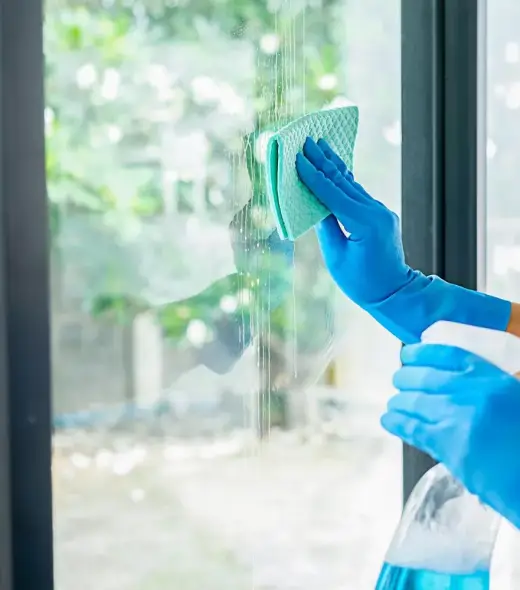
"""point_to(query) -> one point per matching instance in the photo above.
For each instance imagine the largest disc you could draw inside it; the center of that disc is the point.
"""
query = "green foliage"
(108, 98)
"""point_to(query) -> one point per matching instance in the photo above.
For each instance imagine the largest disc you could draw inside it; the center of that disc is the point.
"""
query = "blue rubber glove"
(370, 267)
(464, 412)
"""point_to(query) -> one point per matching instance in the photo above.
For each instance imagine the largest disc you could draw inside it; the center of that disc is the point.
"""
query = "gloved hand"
(369, 266)
(464, 412)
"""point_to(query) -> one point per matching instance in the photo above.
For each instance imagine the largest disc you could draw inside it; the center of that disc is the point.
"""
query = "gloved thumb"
(331, 237)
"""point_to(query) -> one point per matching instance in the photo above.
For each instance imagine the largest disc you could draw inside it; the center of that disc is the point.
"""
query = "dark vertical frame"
(464, 145)
(25, 392)
(443, 149)
(422, 43)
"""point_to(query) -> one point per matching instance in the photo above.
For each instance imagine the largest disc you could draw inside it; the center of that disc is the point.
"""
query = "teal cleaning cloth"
(295, 209)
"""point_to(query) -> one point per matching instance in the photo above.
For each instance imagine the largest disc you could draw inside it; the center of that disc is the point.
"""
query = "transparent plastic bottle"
(446, 536)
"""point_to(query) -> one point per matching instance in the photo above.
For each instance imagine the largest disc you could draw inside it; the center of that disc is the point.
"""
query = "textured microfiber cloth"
(295, 209)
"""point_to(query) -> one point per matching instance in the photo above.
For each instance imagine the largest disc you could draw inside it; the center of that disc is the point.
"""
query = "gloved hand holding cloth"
(369, 266)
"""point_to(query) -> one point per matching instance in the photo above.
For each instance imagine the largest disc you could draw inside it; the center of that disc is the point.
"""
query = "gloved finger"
(439, 356)
(431, 409)
(342, 167)
(334, 158)
(317, 158)
(412, 431)
(427, 380)
(331, 238)
(351, 213)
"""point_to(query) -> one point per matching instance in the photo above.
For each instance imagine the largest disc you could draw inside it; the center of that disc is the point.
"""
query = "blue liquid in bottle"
(394, 577)
(444, 541)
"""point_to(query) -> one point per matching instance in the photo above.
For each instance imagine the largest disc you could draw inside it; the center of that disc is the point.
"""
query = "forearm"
(513, 327)
(427, 300)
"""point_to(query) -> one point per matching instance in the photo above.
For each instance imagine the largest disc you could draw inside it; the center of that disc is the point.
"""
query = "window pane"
(502, 274)
(216, 400)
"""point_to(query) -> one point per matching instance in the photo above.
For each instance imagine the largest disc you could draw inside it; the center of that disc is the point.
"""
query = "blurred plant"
(117, 93)
(102, 136)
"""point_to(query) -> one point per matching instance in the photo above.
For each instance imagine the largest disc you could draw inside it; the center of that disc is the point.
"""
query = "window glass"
(502, 272)
(216, 400)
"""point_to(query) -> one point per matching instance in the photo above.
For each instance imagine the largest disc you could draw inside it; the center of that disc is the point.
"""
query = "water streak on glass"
(216, 400)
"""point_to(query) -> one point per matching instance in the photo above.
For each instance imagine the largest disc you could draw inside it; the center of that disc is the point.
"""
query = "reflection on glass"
(502, 273)
(203, 438)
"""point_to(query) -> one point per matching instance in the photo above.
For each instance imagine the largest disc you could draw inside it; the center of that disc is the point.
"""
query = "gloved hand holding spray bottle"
(446, 536)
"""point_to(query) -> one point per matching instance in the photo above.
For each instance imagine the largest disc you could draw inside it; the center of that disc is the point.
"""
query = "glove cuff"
(426, 300)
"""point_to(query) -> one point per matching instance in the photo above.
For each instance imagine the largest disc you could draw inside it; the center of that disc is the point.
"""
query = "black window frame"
(443, 63)
(442, 181)
(26, 552)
